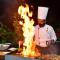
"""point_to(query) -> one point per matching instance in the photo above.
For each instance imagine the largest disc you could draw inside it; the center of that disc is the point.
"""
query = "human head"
(42, 14)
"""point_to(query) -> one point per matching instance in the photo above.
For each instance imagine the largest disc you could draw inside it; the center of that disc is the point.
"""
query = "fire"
(20, 22)
(28, 31)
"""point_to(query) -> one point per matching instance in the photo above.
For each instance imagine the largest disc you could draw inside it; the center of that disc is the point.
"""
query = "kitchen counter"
(45, 57)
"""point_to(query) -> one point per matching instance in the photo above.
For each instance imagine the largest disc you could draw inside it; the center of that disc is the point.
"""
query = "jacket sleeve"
(52, 34)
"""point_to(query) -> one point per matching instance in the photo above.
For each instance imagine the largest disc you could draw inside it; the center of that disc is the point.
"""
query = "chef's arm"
(53, 35)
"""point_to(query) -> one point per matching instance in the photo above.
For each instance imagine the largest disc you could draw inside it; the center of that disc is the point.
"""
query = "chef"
(44, 33)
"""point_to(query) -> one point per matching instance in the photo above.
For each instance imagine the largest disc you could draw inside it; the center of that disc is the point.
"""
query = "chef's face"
(41, 22)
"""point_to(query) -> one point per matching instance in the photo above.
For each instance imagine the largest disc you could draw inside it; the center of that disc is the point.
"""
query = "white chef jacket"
(44, 34)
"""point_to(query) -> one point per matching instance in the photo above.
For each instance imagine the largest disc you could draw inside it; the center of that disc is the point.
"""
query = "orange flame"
(28, 31)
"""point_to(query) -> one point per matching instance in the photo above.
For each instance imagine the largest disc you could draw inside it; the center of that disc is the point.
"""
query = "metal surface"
(12, 57)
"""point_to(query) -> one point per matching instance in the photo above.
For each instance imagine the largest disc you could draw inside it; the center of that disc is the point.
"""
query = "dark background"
(53, 17)
(9, 8)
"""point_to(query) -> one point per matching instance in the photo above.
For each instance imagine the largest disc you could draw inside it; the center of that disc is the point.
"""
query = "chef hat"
(42, 12)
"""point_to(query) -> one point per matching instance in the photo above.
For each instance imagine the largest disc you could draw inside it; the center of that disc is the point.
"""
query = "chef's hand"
(50, 42)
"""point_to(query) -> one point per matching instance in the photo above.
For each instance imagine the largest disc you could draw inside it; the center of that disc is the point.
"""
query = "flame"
(28, 31)
(20, 22)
